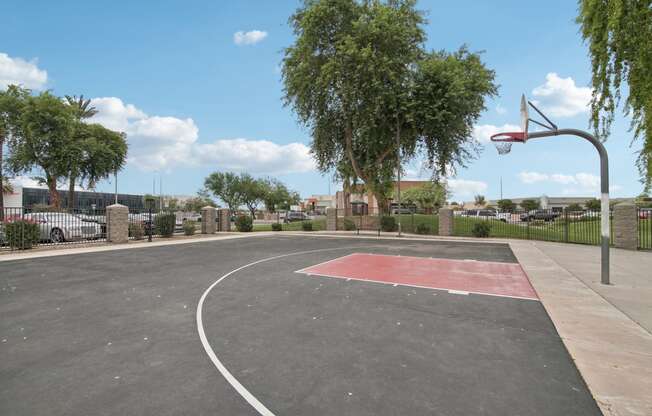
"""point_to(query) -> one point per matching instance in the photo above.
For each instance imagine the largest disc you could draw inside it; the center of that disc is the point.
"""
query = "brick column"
(225, 219)
(445, 221)
(626, 226)
(117, 223)
(208, 217)
(331, 219)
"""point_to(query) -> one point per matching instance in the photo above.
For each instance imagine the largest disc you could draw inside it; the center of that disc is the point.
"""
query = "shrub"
(244, 223)
(189, 228)
(136, 230)
(277, 227)
(481, 229)
(306, 226)
(348, 224)
(423, 228)
(21, 234)
(165, 224)
(387, 223)
(44, 208)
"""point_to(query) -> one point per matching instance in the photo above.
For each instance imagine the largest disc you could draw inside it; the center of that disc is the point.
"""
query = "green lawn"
(317, 225)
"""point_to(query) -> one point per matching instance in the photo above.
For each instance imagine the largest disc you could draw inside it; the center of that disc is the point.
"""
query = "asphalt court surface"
(115, 333)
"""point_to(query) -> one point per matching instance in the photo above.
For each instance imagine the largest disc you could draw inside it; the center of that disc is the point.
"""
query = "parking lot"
(285, 325)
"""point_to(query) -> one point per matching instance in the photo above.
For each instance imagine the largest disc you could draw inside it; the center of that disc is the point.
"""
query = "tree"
(574, 207)
(225, 186)
(506, 205)
(278, 196)
(47, 126)
(252, 192)
(593, 204)
(427, 196)
(11, 102)
(359, 80)
(195, 204)
(530, 204)
(479, 200)
(619, 36)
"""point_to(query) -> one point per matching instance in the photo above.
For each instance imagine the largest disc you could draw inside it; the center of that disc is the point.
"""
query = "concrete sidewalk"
(606, 329)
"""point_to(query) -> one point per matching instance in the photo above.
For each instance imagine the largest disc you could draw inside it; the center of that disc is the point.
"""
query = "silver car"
(60, 226)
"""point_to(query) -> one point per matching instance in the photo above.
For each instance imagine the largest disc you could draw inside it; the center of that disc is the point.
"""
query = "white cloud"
(465, 188)
(500, 109)
(483, 132)
(533, 177)
(21, 72)
(581, 182)
(560, 97)
(162, 143)
(29, 182)
(249, 38)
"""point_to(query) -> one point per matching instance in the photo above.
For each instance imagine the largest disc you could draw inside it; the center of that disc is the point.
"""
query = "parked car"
(539, 214)
(504, 216)
(295, 216)
(60, 226)
(401, 211)
(479, 213)
(645, 213)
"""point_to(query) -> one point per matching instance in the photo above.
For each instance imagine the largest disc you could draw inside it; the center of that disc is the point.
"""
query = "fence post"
(225, 219)
(446, 220)
(117, 223)
(331, 219)
(565, 225)
(208, 217)
(626, 226)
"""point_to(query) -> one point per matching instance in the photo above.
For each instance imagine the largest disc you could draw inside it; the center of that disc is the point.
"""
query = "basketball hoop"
(503, 141)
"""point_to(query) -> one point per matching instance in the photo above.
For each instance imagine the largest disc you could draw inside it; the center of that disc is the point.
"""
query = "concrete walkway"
(604, 328)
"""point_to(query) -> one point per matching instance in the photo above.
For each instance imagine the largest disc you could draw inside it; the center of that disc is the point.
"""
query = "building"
(86, 201)
(545, 202)
(363, 203)
(319, 203)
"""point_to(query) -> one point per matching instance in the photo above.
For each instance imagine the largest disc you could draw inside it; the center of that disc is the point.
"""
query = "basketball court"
(285, 326)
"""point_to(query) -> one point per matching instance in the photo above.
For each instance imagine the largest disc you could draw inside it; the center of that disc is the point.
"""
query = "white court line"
(242, 390)
(418, 286)
(325, 262)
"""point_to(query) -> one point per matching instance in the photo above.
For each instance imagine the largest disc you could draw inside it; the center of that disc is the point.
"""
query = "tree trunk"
(71, 194)
(2, 179)
(346, 189)
(55, 201)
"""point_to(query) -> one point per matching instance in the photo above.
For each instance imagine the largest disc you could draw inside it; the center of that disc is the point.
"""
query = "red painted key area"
(489, 278)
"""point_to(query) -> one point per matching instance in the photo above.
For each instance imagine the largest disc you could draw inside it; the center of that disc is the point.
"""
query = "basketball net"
(503, 147)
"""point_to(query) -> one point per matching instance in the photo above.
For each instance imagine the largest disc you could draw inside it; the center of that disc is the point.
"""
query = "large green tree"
(252, 192)
(619, 36)
(47, 127)
(225, 186)
(530, 204)
(428, 196)
(277, 195)
(11, 103)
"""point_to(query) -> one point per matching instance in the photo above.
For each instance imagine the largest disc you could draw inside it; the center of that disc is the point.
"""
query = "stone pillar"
(625, 226)
(445, 221)
(117, 223)
(208, 220)
(331, 219)
(225, 219)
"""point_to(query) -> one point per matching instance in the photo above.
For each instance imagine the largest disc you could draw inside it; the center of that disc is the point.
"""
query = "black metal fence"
(22, 228)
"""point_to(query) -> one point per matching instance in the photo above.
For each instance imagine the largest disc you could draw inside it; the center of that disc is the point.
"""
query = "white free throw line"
(242, 390)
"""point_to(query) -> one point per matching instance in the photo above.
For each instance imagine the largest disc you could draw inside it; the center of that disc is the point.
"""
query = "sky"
(197, 88)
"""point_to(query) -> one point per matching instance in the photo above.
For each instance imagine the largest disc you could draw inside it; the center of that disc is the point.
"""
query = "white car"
(60, 226)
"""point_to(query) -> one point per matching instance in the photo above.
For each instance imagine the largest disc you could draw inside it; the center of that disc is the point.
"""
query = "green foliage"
(359, 79)
(506, 205)
(277, 196)
(44, 208)
(244, 223)
(165, 224)
(387, 223)
(593, 204)
(195, 204)
(480, 200)
(21, 234)
(574, 207)
(430, 195)
(189, 228)
(422, 228)
(619, 36)
(348, 224)
(277, 227)
(530, 204)
(481, 229)
(136, 230)
(152, 202)
(225, 186)
(306, 226)
(11, 102)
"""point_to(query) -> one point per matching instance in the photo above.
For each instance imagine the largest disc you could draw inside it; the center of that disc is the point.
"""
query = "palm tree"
(83, 110)
(480, 201)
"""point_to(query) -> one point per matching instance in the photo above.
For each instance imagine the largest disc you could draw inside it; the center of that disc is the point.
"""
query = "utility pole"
(398, 169)
(501, 187)
(116, 186)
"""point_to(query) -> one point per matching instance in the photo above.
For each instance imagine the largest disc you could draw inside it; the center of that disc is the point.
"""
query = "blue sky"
(196, 85)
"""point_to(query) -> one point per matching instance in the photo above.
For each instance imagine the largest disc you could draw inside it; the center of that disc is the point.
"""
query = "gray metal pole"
(604, 190)
(398, 168)
(116, 186)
